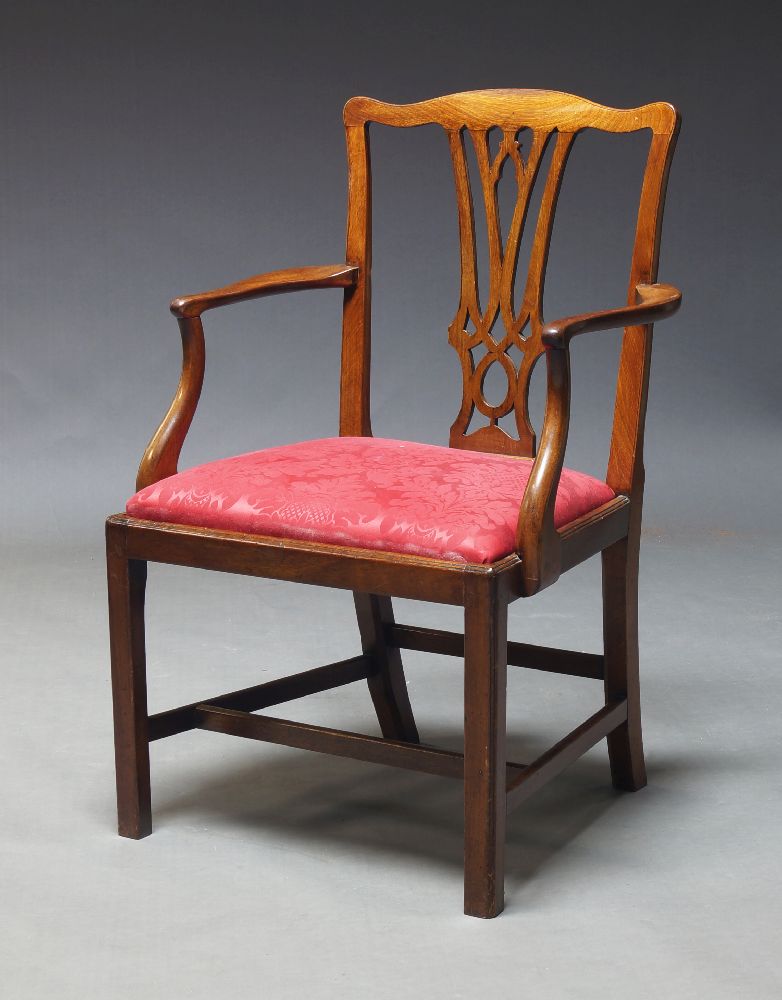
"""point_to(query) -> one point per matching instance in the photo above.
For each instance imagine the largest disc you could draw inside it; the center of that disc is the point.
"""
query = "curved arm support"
(162, 454)
(292, 279)
(655, 302)
(537, 540)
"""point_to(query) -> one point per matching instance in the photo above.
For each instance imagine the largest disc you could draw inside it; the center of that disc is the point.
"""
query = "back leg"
(387, 682)
(620, 638)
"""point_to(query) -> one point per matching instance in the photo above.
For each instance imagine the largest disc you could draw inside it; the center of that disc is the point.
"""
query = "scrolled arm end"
(655, 302)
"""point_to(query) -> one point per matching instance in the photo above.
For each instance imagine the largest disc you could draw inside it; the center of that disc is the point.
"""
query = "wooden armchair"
(489, 520)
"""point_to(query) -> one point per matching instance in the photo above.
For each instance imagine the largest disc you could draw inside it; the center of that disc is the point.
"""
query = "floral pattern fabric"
(371, 493)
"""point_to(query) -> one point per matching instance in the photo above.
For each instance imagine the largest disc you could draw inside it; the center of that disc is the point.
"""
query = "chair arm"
(292, 279)
(655, 302)
(537, 540)
(161, 457)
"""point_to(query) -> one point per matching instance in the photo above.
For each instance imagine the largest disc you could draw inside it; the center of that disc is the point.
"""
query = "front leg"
(485, 677)
(127, 584)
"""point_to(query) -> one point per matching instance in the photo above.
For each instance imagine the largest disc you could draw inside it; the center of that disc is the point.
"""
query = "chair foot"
(136, 828)
(387, 685)
(620, 637)
(485, 675)
(484, 909)
(626, 756)
(127, 583)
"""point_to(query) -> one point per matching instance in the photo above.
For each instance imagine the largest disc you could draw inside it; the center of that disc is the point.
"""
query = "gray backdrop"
(152, 149)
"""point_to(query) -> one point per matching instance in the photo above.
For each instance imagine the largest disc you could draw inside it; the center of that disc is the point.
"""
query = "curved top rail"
(542, 109)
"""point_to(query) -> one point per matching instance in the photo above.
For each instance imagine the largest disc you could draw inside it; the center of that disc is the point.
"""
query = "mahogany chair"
(489, 520)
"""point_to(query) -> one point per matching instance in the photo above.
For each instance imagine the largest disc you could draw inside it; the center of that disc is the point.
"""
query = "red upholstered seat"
(370, 493)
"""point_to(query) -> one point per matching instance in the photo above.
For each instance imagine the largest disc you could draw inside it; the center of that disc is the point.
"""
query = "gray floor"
(277, 873)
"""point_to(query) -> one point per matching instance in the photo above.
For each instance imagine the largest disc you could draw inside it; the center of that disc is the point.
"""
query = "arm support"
(162, 453)
(537, 540)
(292, 279)
(655, 302)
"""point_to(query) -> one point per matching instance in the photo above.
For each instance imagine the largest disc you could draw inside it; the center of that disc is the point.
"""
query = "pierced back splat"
(553, 120)
(473, 326)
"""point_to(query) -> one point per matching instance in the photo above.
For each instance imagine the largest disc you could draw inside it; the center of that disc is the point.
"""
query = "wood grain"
(544, 109)
(655, 302)
(293, 279)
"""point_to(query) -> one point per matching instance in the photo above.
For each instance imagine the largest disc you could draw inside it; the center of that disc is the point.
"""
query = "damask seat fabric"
(369, 493)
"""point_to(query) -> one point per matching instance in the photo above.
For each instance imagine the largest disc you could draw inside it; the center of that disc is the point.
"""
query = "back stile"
(625, 463)
(354, 415)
